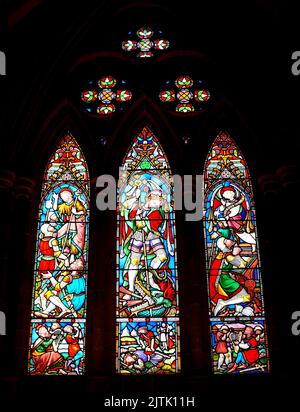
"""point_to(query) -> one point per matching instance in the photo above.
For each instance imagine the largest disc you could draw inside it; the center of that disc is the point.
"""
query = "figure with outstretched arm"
(248, 354)
(73, 336)
(45, 358)
(71, 213)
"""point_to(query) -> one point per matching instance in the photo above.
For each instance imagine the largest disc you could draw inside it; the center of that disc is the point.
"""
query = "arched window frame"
(148, 340)
(236, 306)
(58, 316)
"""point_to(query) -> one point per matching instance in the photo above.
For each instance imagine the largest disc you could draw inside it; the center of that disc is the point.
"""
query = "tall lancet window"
(148, 337)
(57, 334)
(237, 317)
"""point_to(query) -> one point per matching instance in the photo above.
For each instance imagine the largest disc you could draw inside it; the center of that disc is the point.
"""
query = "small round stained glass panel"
(107, 82)
(201, 95)
(185, 108)
(184, 82)
(106, 109)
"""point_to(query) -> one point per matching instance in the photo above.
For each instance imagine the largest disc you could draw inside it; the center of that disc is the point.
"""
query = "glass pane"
(147, 282)
(236, 305)
(60, 279)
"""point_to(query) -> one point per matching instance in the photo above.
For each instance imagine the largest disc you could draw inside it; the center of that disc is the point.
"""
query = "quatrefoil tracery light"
(145, 44)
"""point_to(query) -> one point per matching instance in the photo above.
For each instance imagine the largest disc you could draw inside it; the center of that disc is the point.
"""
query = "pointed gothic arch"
(147, 330)
(57, 332)
(236, 307)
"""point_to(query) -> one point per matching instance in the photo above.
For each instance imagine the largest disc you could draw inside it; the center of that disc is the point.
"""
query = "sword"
(146, 266)
(252, 369)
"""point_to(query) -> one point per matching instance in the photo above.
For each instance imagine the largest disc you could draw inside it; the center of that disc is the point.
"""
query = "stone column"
(7, 178)
(287, 252)
(22, 253)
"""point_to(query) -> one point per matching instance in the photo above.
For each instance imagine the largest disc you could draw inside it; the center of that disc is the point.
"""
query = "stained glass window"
(145, 44)
(147, 333)
(185, 95)
(237, 316)
(101, 99)
(57, 334)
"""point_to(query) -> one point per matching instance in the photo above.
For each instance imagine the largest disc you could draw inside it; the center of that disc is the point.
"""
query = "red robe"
(73, 345)
(221, 345)
(171, 342)
(148, 337)
(47, 262)
(252, 354)
(155, 218)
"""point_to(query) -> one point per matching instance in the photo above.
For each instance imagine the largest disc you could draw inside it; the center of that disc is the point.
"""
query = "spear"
(146, 267)
(146, 261)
